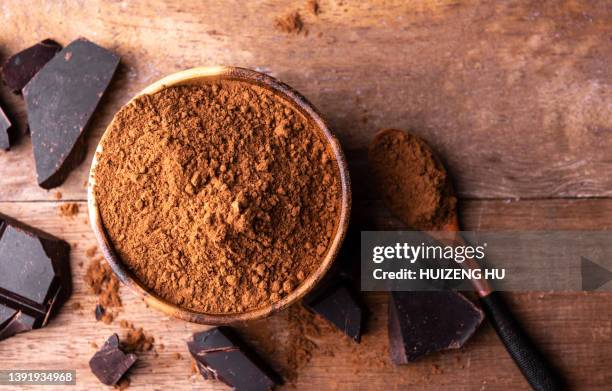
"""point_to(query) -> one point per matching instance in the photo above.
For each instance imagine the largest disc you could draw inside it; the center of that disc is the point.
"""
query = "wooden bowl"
(204, 75)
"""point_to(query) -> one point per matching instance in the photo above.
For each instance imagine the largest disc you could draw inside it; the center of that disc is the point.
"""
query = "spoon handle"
(536, 369)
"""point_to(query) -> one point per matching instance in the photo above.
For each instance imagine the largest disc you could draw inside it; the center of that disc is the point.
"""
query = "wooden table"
(514, 95)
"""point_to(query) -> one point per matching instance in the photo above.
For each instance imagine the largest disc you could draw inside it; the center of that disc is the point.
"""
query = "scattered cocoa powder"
(287, 341)
(107, 317)
(91, 251)
(103, 283)
(178, 356)
(122, 384)
(57, 195)
(412, 181)
(136, 340)
(219, 198)
(76, 306)
(194, 367)
(313, 6)
(304, 331)
(290, 23)
(68, 209)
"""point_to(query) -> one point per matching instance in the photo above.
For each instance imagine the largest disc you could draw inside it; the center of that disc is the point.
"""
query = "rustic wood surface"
(514, 95)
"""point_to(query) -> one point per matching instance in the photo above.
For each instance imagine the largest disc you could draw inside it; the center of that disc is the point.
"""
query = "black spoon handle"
(536, 369)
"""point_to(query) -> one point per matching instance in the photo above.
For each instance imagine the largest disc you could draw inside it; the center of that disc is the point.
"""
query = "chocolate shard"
(14, 321)
(100, 310)
(221, 355)
(110, 363)
(5, 125)
(424, 322)
(60, 101)
(339, 306)
(34, 277)
(21, 67)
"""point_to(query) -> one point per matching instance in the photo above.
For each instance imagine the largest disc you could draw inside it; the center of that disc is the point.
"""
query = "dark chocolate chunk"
(110, 363)
(14, 321)
(339, 306)
(426, 322)
(60, 100)
(221, 355)
(99, 312)
(34, 277)
(5, 125)
(20, 68)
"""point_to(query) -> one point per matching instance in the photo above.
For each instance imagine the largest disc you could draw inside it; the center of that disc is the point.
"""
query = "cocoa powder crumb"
(178, 356)
(313, 6)
(107, 317)
(103, 283)
(210, 180)
(290, 23)
(419, 198)
(57, 195)
(91, 251)
(136, 340)
(69, 209)
(122, 384)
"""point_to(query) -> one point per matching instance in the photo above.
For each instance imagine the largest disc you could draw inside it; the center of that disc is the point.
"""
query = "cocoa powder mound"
(412, 181)
(220, 198)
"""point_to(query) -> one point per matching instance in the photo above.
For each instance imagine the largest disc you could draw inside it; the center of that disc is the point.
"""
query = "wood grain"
(514, 95)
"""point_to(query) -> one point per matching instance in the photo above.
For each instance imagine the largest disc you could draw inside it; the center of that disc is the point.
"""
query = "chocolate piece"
(110, 363)
(426, 322)
(99, 312)
(339, 306)
(20, 68)
(5, 125)
(220, 355)
(61, 99)
(14, 321)
(34, 277)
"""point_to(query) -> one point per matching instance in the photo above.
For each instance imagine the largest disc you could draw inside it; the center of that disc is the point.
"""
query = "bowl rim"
(207, 74)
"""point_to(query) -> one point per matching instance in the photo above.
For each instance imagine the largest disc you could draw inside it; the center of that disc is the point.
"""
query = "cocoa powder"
(220, 198)
(410, 178)
(290, 23)
(69, 209)
(103, 282)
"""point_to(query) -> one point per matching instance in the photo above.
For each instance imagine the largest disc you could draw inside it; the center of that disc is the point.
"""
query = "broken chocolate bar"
(220, 355)
(426, 322)
(34, 277)
(5, 125)
(339, 306)
(110, 363)
(21, 67)
(60, 100)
